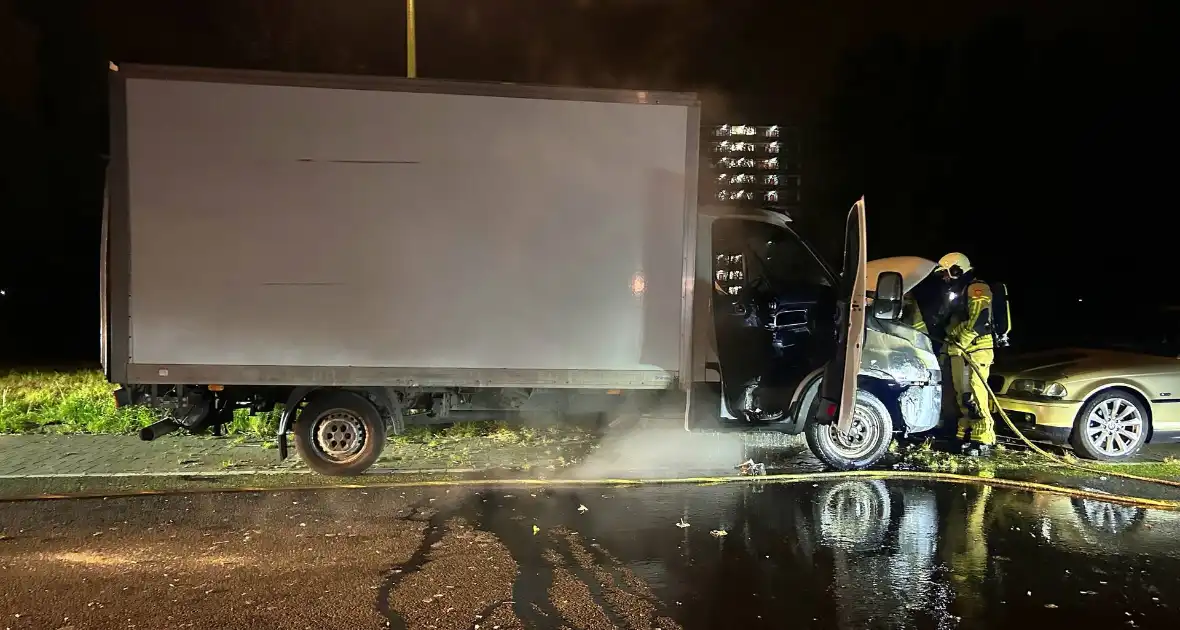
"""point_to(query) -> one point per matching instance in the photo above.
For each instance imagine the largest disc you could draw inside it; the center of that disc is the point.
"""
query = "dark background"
(1035, 136)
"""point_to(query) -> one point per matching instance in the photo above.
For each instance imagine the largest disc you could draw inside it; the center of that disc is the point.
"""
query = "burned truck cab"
(774, 312)
(782, 317)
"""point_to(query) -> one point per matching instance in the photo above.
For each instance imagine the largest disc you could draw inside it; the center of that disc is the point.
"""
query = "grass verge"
(81, 402)
(483, 444)
(492, 432)
(1169, 468)
(1019, 463)
(64, 402)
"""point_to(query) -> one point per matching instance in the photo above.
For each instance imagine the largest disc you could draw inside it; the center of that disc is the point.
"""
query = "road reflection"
(857, 553)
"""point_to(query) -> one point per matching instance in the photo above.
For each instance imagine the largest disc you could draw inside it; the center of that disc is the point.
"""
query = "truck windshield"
(784, 261)
(769, 253)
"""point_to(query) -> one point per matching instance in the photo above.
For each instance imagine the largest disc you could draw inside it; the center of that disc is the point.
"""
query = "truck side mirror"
(887, 302)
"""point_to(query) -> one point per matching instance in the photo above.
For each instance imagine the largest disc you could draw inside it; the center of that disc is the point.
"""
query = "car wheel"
(867, 439)
(339, 434)
(1112, 426)
(1108, 518)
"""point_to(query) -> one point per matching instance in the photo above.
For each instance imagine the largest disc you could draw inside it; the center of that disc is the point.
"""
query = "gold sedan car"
(1106, 404)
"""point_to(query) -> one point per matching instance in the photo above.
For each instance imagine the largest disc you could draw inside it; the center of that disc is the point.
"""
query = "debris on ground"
(582, 509)
(536, 530)
(682, 523)
(750, 468)
(718, 533)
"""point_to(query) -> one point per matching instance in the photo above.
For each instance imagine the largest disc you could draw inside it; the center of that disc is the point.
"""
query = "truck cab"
(804, 346)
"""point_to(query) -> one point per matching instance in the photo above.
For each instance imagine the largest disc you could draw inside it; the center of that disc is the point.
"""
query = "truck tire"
(339, 434)
(852, 515)
(870, 436)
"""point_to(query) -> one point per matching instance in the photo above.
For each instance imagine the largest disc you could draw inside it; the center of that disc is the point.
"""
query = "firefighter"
(911, 314)
(969, 336)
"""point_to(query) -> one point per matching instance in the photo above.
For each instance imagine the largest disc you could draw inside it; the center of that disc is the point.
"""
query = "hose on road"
(784, 478)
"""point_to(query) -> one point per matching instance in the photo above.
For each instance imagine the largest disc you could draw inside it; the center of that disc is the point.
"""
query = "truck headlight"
(1041, 389)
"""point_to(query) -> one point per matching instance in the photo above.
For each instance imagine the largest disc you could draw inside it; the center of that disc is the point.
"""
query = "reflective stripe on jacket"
(970, 327)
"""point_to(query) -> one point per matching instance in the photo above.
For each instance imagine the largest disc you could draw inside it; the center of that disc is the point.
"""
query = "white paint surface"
(510, 236)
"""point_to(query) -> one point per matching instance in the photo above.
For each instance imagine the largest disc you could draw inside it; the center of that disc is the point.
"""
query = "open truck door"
(838, 388)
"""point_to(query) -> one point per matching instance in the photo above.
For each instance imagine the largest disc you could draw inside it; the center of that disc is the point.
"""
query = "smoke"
(663, 449)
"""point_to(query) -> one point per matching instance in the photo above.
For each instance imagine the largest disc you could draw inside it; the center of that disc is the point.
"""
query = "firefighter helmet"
(953, 264)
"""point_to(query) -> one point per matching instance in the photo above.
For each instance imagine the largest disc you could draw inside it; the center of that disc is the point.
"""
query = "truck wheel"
(853, 515)
(867, 440)
(339, 434)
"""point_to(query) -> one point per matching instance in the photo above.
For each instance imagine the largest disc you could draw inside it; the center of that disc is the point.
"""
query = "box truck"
(372, 252)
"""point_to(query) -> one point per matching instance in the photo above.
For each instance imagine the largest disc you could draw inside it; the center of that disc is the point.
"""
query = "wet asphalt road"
(847, 554)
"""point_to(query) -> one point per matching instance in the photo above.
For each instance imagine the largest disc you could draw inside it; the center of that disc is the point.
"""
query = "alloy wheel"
(1114, 427)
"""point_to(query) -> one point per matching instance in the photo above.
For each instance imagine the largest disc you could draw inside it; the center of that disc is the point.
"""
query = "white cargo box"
(272, 228)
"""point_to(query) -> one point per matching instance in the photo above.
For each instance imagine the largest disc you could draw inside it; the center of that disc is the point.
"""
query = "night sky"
(1035, 136)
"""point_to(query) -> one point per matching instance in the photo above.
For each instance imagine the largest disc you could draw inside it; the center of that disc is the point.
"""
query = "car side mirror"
(887, 302)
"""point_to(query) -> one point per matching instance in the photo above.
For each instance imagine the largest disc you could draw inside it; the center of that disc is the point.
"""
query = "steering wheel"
(754, 298)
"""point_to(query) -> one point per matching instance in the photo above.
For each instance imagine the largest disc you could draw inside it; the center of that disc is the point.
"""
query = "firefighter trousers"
(975, 416)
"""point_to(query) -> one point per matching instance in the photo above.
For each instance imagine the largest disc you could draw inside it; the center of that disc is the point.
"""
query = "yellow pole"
(411, 42)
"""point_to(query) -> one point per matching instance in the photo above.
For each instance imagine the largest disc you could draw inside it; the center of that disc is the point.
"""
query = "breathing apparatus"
(954, 269)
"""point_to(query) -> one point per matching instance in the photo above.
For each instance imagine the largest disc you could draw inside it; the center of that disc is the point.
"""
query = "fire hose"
(779, 478)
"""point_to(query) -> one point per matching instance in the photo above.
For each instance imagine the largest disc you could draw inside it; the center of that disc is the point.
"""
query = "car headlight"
(1042, 389)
